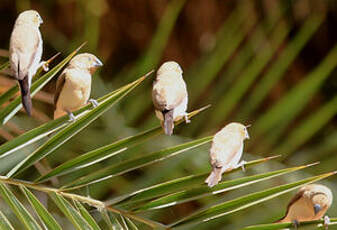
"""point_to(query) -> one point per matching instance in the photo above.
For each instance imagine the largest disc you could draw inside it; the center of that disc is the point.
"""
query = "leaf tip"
(272, 157)
(53, 57)
(80, 47)
(333, 173)
(205, 107)
(195, 112)
(146, 75)
(312, 164)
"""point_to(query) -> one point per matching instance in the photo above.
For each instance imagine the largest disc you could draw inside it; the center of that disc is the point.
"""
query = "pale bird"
(310, 203)
(25, 52)
(169, 95)
(73, 86)
(226, 151)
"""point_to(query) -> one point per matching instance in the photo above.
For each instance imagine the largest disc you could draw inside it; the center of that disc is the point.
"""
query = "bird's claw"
(45, 66)
(71, 117)
(296, 224)
(186, 119)
(326, 222)
(93, 102)
(242, 165)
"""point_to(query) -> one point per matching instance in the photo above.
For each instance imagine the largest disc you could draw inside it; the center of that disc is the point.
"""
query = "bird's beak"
(41, 21)
(98, 63)
(317, 208)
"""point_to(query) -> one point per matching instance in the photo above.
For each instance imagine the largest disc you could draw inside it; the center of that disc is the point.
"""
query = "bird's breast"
(302, 210)
(75, 92)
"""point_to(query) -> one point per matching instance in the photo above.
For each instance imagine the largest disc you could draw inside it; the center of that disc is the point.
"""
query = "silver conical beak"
(317, 208)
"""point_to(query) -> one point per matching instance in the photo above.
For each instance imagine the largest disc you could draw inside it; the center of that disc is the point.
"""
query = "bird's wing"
(168, 93)
(177, 93)
(292, 201)
(59, 86)
(25, 42)
(225, 150)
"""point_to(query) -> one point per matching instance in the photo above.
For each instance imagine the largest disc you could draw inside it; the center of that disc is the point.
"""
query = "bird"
(226, 151)
(310, 203)
(169, 95)
(25, 52)
(73, 86)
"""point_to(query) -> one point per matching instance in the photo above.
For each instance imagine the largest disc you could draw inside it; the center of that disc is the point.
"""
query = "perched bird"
(74, 85)
(169, 95)
(226, 151)
(25, 51)
(310, 203)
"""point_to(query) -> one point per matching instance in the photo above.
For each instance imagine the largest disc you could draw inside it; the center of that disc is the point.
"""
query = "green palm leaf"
(4, 65)
(4, 223)
(13, 90)
(172, 186)
(235, 93)
(41, 211)
(86, 215)
(317, 224)
(69, 211)
(133, 164)
(292, 103)
(10, 110)
(46, 129)
(204, 190)
(279, 67)
(73, 128)
(19, 210)
(107, 151)
(243, 202)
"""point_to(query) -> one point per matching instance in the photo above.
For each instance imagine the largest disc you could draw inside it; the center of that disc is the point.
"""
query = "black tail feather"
(25, 95)
(168, 122)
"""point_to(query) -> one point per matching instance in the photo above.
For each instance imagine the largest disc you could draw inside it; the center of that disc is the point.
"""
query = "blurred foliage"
(269, 63)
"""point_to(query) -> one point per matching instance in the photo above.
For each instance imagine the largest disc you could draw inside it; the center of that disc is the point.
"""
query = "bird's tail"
(214, 177)
(59, 113)
(25, 95)
(168, 122)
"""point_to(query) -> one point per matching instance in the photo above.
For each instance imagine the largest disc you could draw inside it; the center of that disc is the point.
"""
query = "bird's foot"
(71, 117)
(296, 224)
(186, 119)
(44, 65)
(326, 222)
(242, 165)
(93, 102)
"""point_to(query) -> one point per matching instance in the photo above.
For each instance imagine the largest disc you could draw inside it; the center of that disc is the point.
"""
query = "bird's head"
(30, 17)
(86, 61)
(239, 128)
(320, 196)
(170, 66)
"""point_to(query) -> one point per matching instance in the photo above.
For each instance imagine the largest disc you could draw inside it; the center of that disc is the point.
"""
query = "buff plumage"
(310, 203)
(25, 52)
(226, 151)
(169, 95)
(73, 86)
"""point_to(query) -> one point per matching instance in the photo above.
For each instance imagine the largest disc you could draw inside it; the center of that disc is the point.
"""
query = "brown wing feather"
(59, 86)
(292, 201)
